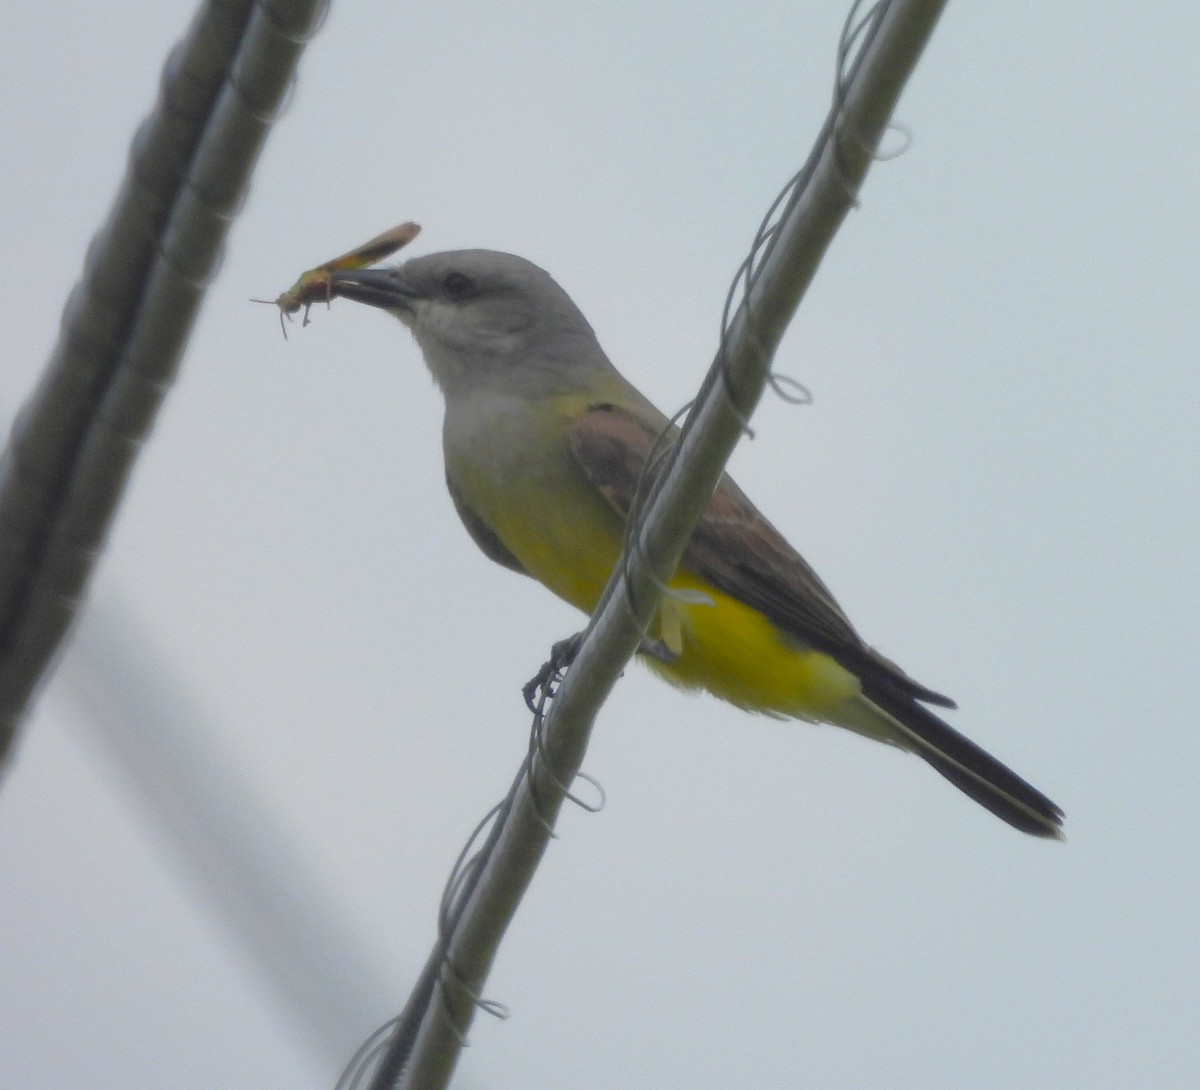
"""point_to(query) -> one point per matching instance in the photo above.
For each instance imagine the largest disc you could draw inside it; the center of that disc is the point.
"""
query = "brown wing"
(737, 550)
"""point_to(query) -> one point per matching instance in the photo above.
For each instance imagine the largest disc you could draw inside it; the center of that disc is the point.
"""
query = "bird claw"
(544, 683)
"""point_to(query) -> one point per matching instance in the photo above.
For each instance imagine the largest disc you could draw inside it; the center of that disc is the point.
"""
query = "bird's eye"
(458, 285)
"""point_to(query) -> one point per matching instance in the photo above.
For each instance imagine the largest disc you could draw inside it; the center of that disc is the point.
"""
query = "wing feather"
(736, 549)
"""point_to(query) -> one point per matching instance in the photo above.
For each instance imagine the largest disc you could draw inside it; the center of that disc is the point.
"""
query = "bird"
(544, 444)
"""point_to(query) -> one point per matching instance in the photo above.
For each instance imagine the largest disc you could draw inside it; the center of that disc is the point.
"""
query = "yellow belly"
(722, 645)
(565, 535)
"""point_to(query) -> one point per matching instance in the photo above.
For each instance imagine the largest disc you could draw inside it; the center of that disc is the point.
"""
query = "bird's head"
(481, 318)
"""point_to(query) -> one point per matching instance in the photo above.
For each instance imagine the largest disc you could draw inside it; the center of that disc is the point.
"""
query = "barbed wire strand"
(419, 1055)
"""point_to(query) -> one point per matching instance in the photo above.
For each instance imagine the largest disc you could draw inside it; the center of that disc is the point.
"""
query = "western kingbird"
(544, 444)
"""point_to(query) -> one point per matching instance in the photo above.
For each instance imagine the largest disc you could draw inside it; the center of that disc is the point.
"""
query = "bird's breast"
(511, 464)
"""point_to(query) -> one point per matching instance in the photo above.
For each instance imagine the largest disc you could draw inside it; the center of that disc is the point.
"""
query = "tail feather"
(970, 768)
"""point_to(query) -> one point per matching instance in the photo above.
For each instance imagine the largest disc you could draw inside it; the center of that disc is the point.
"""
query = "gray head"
(482, 318)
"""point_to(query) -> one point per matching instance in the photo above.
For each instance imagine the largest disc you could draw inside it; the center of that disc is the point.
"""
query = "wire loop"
(537, 769)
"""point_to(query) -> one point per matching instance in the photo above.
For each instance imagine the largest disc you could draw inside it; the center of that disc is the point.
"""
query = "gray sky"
(997, 479)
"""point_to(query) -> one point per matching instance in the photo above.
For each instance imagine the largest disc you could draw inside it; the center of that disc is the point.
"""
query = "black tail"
(972, 770)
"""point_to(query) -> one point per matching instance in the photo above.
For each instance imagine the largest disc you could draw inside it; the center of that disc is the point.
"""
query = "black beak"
(383, 288)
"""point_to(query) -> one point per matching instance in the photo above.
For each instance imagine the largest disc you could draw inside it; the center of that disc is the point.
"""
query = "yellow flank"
(735, 653)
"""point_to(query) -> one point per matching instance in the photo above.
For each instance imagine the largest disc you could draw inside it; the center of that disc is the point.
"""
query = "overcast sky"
(997, 478)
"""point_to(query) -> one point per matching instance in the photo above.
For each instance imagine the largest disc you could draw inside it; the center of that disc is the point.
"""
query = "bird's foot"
(544, 683)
